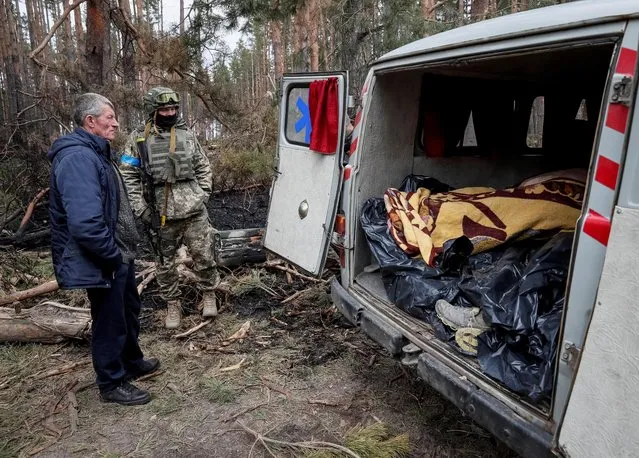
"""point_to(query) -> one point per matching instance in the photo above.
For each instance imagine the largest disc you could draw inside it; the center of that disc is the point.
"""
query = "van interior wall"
(388, 150)
(387, 145)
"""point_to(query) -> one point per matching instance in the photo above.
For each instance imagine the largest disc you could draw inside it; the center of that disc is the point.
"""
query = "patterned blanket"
(422, 223)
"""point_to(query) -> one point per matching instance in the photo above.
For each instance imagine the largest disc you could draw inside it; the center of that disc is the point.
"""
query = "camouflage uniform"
(181, 198)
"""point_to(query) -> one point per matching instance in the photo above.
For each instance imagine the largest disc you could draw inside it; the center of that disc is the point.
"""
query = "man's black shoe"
(126, 394)
(145, 367)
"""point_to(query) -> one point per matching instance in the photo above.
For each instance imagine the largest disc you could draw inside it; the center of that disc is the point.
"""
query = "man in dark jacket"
(93, 242)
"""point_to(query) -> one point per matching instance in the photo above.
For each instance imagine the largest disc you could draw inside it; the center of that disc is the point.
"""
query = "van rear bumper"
(524, 437)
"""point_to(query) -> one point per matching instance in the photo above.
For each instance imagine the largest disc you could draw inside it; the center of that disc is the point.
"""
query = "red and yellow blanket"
(421, 222)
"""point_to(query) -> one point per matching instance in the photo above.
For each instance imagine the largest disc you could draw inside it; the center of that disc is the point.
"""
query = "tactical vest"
(158, 147)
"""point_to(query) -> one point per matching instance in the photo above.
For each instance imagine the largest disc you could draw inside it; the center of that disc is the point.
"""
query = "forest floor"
(299, 373)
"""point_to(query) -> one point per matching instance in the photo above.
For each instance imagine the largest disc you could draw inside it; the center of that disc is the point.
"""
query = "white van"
(483, 80)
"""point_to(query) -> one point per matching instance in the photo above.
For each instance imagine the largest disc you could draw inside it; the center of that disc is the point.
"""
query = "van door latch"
(570, 354)
(621, 89)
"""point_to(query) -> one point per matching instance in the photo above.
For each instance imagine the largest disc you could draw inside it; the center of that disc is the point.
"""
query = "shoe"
(126, 394)
(209, 305)
(456, 317)
(466, 338)
(173, 315)
(145, 367)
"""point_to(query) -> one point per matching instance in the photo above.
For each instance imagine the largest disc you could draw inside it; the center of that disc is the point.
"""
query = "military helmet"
(159, 97)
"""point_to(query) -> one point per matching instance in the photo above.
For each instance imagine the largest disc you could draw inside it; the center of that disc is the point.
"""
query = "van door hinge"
(570, 354)
(621, 89)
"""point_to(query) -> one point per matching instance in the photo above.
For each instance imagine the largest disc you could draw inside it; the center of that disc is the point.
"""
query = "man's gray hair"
(89, 104)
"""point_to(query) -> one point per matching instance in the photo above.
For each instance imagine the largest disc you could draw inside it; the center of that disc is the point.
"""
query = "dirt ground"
(300, 373)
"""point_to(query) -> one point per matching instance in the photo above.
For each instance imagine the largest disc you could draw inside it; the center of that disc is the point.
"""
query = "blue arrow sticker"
(305, 121)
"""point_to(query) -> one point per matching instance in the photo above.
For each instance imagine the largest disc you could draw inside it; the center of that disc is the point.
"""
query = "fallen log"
(12, 216)
(17, 239)
(39, 290)
(45, 323)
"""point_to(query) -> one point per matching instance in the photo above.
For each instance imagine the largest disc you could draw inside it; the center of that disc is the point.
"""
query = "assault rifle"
(148, 190)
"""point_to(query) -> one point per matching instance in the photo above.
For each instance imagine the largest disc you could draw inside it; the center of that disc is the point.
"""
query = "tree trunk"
(12, 64)
(478, 9)
(312, 20)
(97, 43)
(428, 9)
(185, 95)
(300, 50)
(139, 11)
(68, 38)
(128, 63)
(518, 5)
(5, 68)
(44, 323)
(79, 31)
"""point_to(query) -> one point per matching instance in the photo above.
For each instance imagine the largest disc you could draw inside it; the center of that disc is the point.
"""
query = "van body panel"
(589, 250)
(307, 184)
(601, 418)
(550, 39)
(525, 24)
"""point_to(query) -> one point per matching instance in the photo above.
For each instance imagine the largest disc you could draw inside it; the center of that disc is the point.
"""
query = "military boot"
(457, 317)
(173, 314)
(209, 305)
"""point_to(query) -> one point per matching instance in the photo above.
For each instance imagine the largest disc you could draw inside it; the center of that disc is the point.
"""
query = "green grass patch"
(374, 441)
(166, 405)
(216, 391)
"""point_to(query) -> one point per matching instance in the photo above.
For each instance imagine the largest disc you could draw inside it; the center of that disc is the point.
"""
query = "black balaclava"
(166, 122)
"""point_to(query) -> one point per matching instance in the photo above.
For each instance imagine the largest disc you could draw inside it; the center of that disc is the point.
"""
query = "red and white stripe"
(603, 189)
(593, 233)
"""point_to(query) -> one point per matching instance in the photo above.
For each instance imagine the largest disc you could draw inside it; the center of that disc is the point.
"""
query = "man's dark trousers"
(115, 312)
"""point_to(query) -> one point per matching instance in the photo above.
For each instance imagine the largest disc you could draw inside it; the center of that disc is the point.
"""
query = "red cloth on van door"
(323, 104)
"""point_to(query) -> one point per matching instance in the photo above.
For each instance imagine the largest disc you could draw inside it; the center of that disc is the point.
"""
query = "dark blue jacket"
(83, 205)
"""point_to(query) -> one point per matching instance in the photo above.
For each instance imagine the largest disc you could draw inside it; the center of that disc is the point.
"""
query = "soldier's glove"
(171, 169)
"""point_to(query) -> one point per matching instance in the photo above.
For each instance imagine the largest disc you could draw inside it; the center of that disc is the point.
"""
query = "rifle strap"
(147, 130)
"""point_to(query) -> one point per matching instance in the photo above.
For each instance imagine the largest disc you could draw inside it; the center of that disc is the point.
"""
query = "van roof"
(569, 15)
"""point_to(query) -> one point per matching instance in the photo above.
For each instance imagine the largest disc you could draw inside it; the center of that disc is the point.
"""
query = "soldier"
(168, 178)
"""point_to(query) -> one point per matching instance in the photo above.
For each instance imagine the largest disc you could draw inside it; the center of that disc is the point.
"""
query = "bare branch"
(57, 24)
(432, 9)
(133, 30)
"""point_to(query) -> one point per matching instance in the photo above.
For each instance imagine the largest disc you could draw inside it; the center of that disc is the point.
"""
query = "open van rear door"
(307, 183)
(602, 413)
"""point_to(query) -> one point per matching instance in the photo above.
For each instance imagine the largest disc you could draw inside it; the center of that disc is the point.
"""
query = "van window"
(535, 137)
(513, 105)
(469, 139)
(582, 112)
(298, 118)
